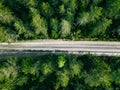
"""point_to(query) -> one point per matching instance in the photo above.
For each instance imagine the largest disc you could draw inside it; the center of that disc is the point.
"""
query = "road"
(55, 46)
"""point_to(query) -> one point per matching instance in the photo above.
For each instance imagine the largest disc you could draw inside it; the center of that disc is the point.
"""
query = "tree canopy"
(55, 19)
(60, 72)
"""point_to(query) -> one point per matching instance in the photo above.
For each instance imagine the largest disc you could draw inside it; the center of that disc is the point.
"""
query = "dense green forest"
(60, 72)
(59, 19)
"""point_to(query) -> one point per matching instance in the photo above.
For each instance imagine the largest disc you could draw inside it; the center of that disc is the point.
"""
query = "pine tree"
(46, 10)
(54, 26)
(38, 23)
(101, 28)
(65, 28)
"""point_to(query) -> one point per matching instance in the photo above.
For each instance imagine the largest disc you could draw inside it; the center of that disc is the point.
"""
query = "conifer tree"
(39, 24)
(65, 28)
(54, 26)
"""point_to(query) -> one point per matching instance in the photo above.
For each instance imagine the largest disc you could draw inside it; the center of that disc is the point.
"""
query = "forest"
(59, 19)
(60, 72)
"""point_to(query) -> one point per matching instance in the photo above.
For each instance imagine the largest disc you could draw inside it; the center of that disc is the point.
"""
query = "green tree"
(91, 16)
(6, 16)
(54, 26)
(8, 75)
(101, 28)
(113, 8)
(39, 23)
(46, 10)
(65, 28)
(97, 72)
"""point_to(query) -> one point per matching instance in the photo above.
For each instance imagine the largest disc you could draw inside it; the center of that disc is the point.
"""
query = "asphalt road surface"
(55, 46)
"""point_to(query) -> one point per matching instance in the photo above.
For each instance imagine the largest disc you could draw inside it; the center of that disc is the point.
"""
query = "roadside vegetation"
(59, 19)
(60, 72)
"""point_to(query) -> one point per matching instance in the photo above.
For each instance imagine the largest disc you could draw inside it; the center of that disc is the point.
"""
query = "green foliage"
(5, 36)
(22, 80)
(116, 76)
(62, 9)
(84, 18)
(56, 72)
(46, 68)
(46, 10)
(22, 30)
(96, 2)
(62, 79)
(6, 16)
(54, 26)
(20, 27)
(39, 19)
(38, 23)
(113, 8)
(61, 61)
(28, 66)
(101, 27)
(98, 72)
(8, 74)
(65, 28)
(75, 68)
(91, 16)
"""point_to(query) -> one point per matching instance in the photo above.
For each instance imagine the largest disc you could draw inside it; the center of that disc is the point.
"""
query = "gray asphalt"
(76, 47)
